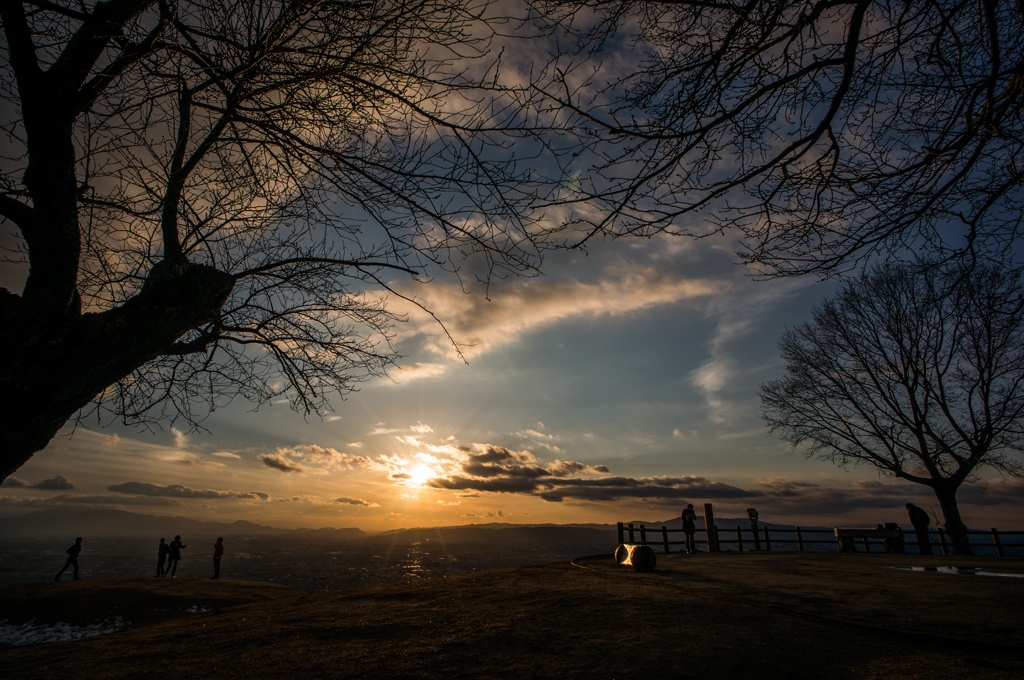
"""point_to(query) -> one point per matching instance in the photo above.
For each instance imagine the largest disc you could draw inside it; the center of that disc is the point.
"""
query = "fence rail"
(991, 540)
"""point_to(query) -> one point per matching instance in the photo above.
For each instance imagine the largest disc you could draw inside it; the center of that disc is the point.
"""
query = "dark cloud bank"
(499, 470)
(55, 483)
(179, 491)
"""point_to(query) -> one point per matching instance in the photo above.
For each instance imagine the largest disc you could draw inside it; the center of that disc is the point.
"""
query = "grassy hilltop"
(785, 615)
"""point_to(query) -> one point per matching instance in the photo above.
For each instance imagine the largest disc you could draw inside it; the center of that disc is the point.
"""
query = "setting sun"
(420, 474)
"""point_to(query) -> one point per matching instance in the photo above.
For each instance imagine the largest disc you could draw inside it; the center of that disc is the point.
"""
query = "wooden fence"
(797, 538)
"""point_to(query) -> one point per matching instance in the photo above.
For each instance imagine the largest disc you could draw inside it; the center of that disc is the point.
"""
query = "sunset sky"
(619, 386)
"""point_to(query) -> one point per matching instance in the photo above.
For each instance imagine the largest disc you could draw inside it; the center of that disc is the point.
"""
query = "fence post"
(643, 535)
(664, 537)
(942, 541)
(995, 539)
(631, 533)
(620, 534)
(739, 540)
(767, 541)
(799, 540)
(709, 524)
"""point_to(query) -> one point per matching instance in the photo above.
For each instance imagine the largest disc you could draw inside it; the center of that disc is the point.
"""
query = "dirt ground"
(728, 615)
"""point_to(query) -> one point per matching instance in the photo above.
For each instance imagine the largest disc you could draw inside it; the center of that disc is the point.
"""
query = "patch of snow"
(20, 635)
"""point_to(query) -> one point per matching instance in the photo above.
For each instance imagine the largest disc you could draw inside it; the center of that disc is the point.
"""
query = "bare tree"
(211, 196)
(918, 371)
(823, 131)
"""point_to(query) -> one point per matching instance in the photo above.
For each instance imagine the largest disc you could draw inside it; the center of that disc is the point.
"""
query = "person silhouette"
(161, 557)
(919, 518)
(174, 555)
(218, 552)
(689, 526)
(72, 552)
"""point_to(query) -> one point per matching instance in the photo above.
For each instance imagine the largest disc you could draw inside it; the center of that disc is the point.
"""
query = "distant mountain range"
(121, 524)
(97, 522)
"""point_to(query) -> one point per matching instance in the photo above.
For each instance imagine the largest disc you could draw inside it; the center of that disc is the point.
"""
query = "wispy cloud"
(479, 324)
(417, 371)
(738, 315)
(200, 461)
(179, 491)
(68, 499)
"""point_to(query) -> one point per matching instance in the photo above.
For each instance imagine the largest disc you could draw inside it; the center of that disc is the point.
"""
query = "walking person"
(919, 518)
(174, 555)
(689, 526)
(218, 552)
(161, 557)
(72, 552)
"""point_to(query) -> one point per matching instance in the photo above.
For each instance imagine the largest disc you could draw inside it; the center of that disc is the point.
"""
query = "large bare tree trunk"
(53, 367)
(955, 526)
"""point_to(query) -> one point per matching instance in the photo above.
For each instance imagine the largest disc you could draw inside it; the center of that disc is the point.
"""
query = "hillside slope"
(710, 617)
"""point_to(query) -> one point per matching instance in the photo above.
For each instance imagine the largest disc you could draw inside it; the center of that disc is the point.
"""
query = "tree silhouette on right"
(823, 132)
(916, 370)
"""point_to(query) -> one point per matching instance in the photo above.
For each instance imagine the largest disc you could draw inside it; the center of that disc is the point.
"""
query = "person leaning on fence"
(218, 552)
(919, 518)
(689, 526)
(72, 552)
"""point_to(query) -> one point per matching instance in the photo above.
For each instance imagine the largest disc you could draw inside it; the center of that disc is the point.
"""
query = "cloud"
(279, 463)
(479, 324)
(738, 315)
(226, 454)
(56, 483)
(787, 496)
(356, 501)
(486, 515)
(313, 457)
(179, 491)
(510, 471)
(68, 499)
(556, 488)
(201, 461)
(781, 487)
(995, 492)
(417, 371)
(14, 483)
